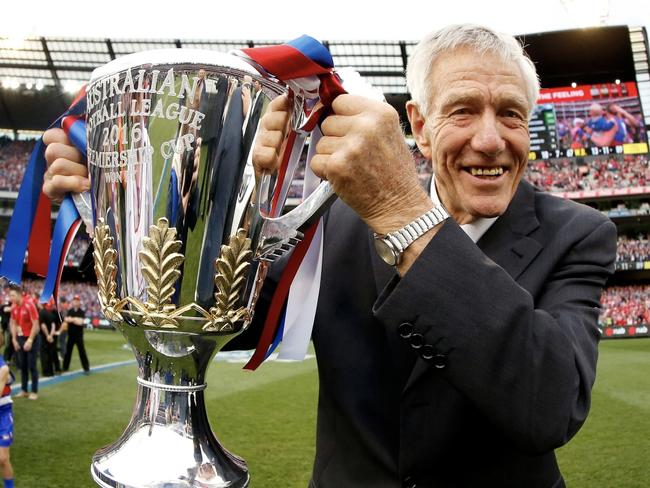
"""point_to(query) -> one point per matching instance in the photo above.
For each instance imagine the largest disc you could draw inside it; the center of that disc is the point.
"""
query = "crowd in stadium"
(13, 160)
(557, 175)
(622, 210)
(87, 293)
(626, 305)
(633, 249)
(622, 305)
(76, 253)
(567, 175)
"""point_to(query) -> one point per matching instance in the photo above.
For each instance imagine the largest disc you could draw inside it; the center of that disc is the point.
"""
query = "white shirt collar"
(476, 229)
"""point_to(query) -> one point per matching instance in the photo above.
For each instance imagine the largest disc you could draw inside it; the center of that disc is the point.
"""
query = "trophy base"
(154, 456)
(168, 443)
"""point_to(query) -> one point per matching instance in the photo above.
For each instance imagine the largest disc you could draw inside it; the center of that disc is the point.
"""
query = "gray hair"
(478, 38)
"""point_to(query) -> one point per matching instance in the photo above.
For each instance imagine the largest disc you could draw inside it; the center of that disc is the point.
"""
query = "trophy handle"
(83, 203)
(280, 233)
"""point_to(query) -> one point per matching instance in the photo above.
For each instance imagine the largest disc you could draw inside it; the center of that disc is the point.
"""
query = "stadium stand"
(626, 305)
(597, 173)
(633, 250)
(13, 160)
(76, 253)
(87, 293)
(622, 210)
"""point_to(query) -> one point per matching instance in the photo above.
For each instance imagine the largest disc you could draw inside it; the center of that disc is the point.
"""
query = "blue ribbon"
(68, 217)
(313, 49)
(279, 334)
(20, 226)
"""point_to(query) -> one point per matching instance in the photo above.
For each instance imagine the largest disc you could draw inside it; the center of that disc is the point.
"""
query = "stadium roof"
(40, 75)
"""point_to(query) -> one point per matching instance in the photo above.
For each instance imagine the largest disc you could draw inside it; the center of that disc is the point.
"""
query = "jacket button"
(439, 360)
(428, 352)
(409, 482)
(417, 341)
(405, 330)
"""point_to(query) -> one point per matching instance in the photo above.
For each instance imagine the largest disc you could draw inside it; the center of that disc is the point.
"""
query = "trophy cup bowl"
(176, 230)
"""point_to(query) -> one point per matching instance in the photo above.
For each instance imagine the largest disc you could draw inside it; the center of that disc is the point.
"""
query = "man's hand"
(66, 169)
(28, 345)
(273, 129)
(362, 154)
(16, 345)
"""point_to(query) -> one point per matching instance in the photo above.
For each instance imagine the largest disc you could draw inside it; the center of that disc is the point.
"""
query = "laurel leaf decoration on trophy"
(161, 261)
(231, 272)
(106, 269)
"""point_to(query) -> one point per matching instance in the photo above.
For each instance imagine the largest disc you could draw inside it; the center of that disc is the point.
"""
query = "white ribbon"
(304, 290)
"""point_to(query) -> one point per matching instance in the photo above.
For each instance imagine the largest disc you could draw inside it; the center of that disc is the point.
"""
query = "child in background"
(6, 424)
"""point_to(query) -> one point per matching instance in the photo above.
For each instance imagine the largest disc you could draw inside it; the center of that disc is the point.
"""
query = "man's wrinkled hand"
(66, 169)
(270, 139)
(364, 156)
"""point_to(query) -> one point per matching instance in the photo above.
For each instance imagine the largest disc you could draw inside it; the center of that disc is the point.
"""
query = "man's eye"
(513, 114)
(461, 111)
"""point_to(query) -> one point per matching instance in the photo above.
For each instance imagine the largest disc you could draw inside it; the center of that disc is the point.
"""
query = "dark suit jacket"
(471, 369)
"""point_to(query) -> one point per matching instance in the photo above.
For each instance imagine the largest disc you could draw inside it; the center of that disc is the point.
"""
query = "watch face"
(386, 252)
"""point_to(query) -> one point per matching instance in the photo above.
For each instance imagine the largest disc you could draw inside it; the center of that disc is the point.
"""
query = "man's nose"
(488, 139)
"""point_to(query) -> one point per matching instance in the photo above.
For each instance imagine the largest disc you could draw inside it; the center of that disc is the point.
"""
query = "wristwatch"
(390, 247)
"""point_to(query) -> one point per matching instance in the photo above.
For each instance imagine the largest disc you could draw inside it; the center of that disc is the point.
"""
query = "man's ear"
(420, 135)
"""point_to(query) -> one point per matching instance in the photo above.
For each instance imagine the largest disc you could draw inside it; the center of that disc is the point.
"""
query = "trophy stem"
(168, 442)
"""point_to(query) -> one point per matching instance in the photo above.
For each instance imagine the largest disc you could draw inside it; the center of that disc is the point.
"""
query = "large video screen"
(588, 120)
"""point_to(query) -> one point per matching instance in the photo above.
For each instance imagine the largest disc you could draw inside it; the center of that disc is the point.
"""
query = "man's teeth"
(487, 171)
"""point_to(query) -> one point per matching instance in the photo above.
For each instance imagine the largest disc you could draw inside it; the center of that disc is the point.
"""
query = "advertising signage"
(588, 120)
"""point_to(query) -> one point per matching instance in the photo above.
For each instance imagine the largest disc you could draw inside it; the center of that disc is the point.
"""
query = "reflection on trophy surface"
(175, 237)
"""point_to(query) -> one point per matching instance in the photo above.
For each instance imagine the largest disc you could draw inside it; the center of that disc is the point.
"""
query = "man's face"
(14, 297)
(476, 132)
(76, 303)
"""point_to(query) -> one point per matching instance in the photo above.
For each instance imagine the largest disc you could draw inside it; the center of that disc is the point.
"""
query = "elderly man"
(464, 351)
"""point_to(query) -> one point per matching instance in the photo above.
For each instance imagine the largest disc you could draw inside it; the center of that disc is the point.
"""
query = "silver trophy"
(183, 233)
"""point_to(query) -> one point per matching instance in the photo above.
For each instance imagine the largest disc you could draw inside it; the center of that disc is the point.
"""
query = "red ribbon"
(279, 298)
(286, 63)
(38, 250)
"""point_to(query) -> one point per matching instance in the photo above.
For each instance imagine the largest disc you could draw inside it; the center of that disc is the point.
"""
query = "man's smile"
(486, 171)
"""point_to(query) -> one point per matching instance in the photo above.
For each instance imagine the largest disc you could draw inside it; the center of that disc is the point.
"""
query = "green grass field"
(268, 417)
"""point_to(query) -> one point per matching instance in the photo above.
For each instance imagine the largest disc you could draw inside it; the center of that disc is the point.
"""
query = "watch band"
(398, 241)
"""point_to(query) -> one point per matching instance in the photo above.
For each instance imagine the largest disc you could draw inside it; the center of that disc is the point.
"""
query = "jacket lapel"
(507, 242)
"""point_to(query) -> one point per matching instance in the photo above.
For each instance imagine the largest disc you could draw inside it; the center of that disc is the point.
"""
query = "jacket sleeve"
(527, 364)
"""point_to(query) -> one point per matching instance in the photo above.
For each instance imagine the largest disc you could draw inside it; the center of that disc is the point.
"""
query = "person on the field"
(5, 315)
(25, 338)
(6, 424)
(48, 317)
(62, 331)
(75, 318)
